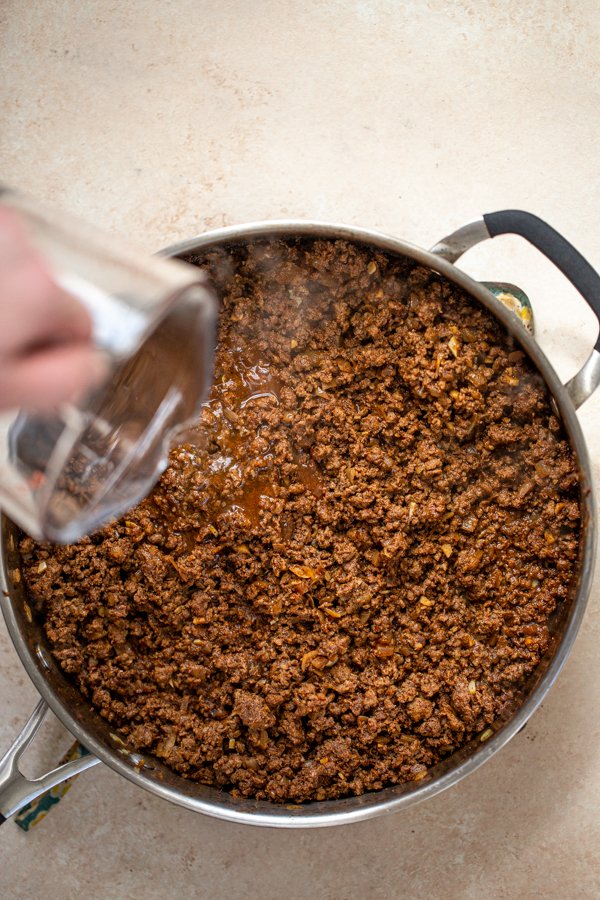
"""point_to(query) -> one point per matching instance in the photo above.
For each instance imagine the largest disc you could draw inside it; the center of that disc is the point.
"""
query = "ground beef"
(350, 568)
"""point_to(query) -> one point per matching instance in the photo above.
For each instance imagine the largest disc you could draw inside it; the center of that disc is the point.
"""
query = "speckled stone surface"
(159, 120)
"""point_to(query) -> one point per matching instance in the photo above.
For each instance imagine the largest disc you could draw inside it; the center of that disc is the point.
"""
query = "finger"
(33, 309)
(43, 380)
(15, 243)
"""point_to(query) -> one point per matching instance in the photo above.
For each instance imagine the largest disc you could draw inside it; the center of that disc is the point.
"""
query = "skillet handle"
(555, 248)
(16, 790)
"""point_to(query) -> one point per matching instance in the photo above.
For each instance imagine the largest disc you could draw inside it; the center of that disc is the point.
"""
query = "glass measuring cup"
(66, 473)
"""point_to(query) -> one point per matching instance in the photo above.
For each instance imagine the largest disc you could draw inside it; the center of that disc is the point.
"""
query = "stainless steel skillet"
(85, 724)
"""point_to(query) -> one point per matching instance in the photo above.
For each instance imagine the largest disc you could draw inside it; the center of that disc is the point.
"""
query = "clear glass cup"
(66, 473)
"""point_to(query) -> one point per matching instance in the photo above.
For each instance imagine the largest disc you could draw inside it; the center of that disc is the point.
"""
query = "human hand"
(46, 354)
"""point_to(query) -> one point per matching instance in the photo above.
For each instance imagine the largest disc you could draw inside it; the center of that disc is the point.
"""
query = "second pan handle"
(15, 789)
(555, 248)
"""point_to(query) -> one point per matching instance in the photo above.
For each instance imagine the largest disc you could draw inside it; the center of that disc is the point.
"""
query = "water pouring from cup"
(101, 375)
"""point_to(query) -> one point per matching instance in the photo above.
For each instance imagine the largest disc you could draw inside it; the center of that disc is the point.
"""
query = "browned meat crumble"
(349, 570)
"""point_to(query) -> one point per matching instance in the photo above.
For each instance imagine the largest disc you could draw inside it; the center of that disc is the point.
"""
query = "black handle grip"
(555, 247)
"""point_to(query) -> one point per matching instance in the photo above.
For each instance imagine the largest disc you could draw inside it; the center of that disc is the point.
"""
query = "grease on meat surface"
(349, 571)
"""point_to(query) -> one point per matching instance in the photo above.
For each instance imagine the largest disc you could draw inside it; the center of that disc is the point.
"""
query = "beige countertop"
(159, 120)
